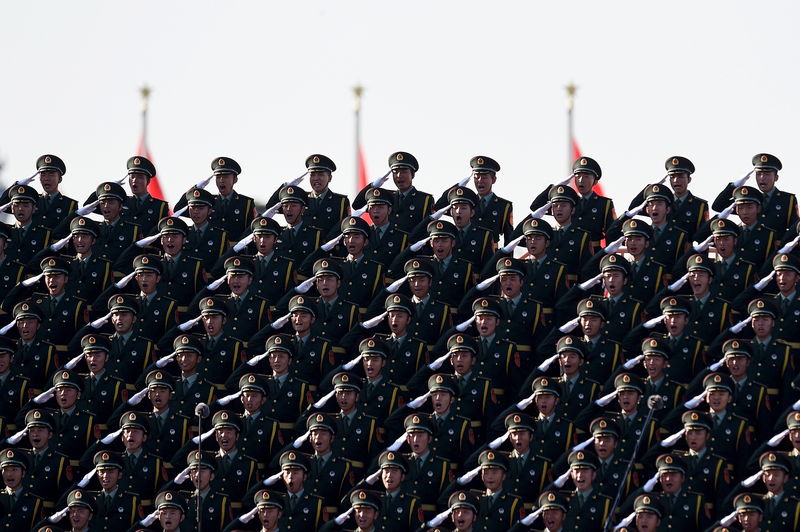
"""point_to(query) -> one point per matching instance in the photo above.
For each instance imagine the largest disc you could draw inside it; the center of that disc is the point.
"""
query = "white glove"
(497, 442)
(395, 286)
(108, 438)
(676, 285)
(584, 444)
(377, 183)
(570, 325)
(469, 475)
(163, 361)
(330, 244)
(742, 180)
(673, 439)
(464, 325)
(704, 245)
(736, 329)
(586, 285)
(786, 248)
(606, 399)
(544, 366)
(695, 401)
(185, 326)
(441, 212)
(436, 364)
(652, 322)
(350, 365)
(778, 438)
(8, 327)
(614, 246)
(636, 210)
(541, 211)
(99, 322)
(204, 436)
(122, 283)
(762, 284)
(566, 181)
(300, 440)
(32, 280)
(561, 480)
(440, 518)
(136, 398)
(44, 396)
(486, 283)
(650, 485)
(74, 361)
(243, 243)
(632, 362)
(419, 401)
(228, 398)
(61, 243)
(305, 286)
(86, 209)
(280, 322)
(146, 241)
(296, 181)
(416, 246)
(324, 399)
(87, 478)
(374, 322)
(342, 517)
(726, 212)
(508, 248)
(272, 479)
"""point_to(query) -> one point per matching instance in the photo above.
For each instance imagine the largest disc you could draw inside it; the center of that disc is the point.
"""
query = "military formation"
(403, 363)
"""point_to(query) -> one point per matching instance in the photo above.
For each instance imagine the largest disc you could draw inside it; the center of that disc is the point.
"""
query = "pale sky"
(268, 83)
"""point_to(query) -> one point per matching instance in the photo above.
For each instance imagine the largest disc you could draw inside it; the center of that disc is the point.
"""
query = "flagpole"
(571, 89)
(358, 90)
(145, 92)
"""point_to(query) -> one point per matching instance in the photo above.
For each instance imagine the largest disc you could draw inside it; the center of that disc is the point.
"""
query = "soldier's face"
(748, 211)
(582, 477)
(591, 325)
(786, 280)
(225, 182)
(147, 281)
(546, 403)
(252, 400)
(750, 520)
(654, 365)
(27, 328)
(39, 437)
(671, 481)
(328, 285)
(794, 438)
(79, 517)
(226, 438)
(110, 208)
(570, 361)
(766, 180)
(22, 211)
(109, 477)
(584, 181)
(199, 213)
(441, 401)
(82, 242)
(321, 441)
(373, 365)
(604, 445)
(170, 519)
(365, 517)
(461, 212)
(201, 477)
(699, 281)
(486, 324)
(521, 440)
(379, 213)
(636, 244)
(269, 517)
(398, 321)
(679, 181)
(49, 180)
(133, 439)
(402, 177)
(718, 400)
(66, 397)
(725, 244)
(392, 477)
(354, 242)
(187, 361)
(614, 282)
(647, 521)
(172, 243)
(292, 211)
(419, 441)
(562, 211)
(463, 518)
(55, 283)
(294, 477)
(628, 400)
(12, 476)
(553, 519)
(657, 209)
(483, 182)
(5, 361)
(675, 323)
(510, 284)
(265, 242)
(774, 479)
(319, 180)
(442, 246)
(96, 360)
(122, 321)
(420, 285)
(301, 321)
(493, 477)
(696, 439)
(138, 182)
(213, 323)
(159, 396)
(462, 361)
(737, 366)
(279, 361)
(536, 244)
(239, 282)
(346, 399)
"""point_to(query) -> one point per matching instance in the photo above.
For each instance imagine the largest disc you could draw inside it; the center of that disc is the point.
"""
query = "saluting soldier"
(386, 240)
(331, 476)
(498, 509)
(400, 510)
(298, 238)
(271, 506)
(554, 433)
(27, 235)
(237, 471)
(172, 510)
(247, 312)
(143, 472)
(498, 358)
(13, 386)
(594, 212)
(554, 508)
(612, 468)
(49, 471)
(261, 435)
(288, 395)
(588, 508)
(314, 353)
(492, 211)
(657, 355)
(222, 353)
(102, 390)
(130, 351)
(527, 472)
(142, 208)
(117, 509)
(214, 507)
(204, 241)
(709, 314)
(81, 512)
(304, 509)
(379, 396)
(11, 271)
(428, 474)
(116, 233)
(35, 358)
(335, 315)
(183, 274)
(522, 317)
(431, 315)
(191, 387)
(158, 312)
(74, 426)
(19, 507)
(474, 243)
(779, 210)
(168, 430)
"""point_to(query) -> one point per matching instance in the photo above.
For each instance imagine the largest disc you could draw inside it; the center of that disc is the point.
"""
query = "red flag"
(153, 187)
(576, 154)
(362, 177)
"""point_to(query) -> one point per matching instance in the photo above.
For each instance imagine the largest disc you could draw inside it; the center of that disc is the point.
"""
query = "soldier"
(498, 509)
(246, 311)
(19, 507)
(779, 210)
(183, 275)
(706, 473)
(379, 396)
(331, 475)
(451, 276)
(64, 313)
(50, 471)
(287, 396)
(13, 386)
(527, 472)
(211, 507)
(492, 211)
(116, 509)
(299, 238)
(73, 426)
(116, 233)
(172, 510)
(34, 358)
(204, 241)
(168, 430)
(142, 208)
(191, 388)
(270, 506)
(261, 437)
(749, 510)
(386, 240)
(431, 315)
(683, 509)
(237, 471)
(474, 243)
(588, 508)
(304, 510)
(336, 314)
(612, 471)
(11, 271)
(756, 242)
(143, 472)
(232, 212)
(554, 433)
(428, 474)
(130, 351)
(102, 391)
(82, 511)
(709, 314)
(498, 358)
(554, 508)
(656, 359)
(400, 509)
(649, 513)
(27, 236)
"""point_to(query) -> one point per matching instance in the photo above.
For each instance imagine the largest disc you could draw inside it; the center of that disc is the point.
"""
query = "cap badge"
(603, 424)
(223, 415)
(747, 498)
(399, 157)
(694, 416)
(278, 340)
(735, 344)
(65, 375)
(462, 496)
(390, 455)
(168, 496)
(251, 379)
(81, 221)
(78, 495)
(48, 160)
(376, 192)
(551, 497)
(92, 340)
(763, 160)
(37, 414)
(589, 304)
(626, 378)
(315, 160)
(415, 419)
(653, 343)
(717, 378)
(132, 416)
(584, 162)
(579, 455)
(159, 376)
(668, 459)
(265, 495)
(490, 455)
(674, 161)
(145, 260)
(362, 495)
(137, 161)
(646, 500)
(459, 192)
(484, 303)
(439, 379)
(292, 456)
(345, 378)
(544, 382)
(568, 340)
(320, 418)
(10, 453)
(480, 160)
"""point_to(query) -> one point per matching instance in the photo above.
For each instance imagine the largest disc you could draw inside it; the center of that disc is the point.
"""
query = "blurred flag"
(576, 153)
(154, 188)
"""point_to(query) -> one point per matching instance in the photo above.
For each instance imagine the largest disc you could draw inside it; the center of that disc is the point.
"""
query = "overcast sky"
(268, 83)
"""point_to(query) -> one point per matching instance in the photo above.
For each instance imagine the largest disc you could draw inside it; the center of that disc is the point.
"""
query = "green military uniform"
(50, 471)
(116, 510)
(100, 394)
(235, 474)
(18, 510)
(386, 242)
(207, 243)
(586, 511)
(26, 241)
